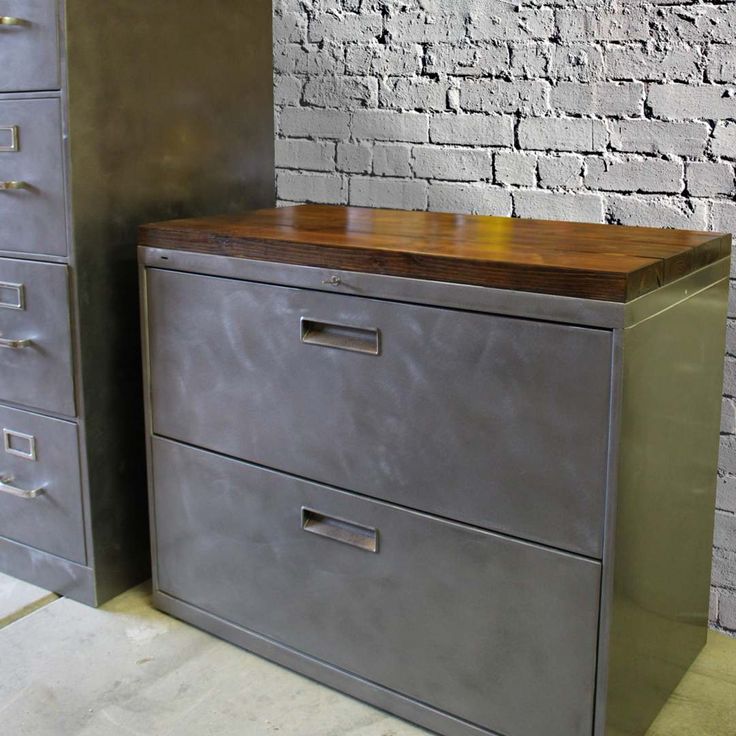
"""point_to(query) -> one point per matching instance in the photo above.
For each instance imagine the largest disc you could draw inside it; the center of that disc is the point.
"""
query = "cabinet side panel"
(672, 379)
(170, 113)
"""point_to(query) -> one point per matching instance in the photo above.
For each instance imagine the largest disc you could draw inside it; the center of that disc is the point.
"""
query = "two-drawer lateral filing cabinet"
(460, 467)
(110, 113)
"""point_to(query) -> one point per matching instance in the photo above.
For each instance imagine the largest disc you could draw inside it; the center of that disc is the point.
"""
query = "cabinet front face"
(498, 422)
(29, 45)
(494, 631)
(35, 336)
(32, 204)
(40, 487)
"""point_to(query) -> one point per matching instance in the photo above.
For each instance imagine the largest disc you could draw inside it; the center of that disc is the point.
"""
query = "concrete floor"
(69, 670)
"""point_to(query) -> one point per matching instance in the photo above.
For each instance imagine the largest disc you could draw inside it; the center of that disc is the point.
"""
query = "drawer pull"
(12, 296)
(7, 487)
(11, 344)
(13, 140)
(346, 532)
(9, 20)
(13, 186)
(343, 337)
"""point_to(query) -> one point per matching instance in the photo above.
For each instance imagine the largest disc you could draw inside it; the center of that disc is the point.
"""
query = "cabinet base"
(368, 692)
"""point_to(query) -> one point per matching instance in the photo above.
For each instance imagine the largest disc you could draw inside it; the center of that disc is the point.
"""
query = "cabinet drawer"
(499, 422)
(32, 206)
(35, 336)
(41, 454)
(498, 632)
(29, 45)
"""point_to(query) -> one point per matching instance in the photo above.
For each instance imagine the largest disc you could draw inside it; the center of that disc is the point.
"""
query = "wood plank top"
(602, 262)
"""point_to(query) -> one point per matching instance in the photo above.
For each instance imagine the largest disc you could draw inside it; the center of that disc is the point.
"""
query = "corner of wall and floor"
(619, 111)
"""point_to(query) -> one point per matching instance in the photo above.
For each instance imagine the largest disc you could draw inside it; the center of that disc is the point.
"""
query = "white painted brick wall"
(620, 111)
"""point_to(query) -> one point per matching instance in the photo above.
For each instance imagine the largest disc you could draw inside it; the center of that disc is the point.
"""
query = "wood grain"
(604, 262)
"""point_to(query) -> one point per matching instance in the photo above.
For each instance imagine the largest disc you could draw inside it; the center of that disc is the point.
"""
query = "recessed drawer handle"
(13, 186)
(14, 344)
(9, 20)
(347, 532)
(7, 487)
(344, 337)
(12, 146)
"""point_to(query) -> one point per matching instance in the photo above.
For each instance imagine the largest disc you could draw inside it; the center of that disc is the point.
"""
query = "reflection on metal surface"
(14, 343)
(9, 20)
(12, 186)
(7, 487)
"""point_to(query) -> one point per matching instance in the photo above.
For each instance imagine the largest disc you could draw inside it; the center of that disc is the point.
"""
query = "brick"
(724, 140)
(722, 62)
(655, 136)
(698, 24)
(726, 492)
(356, 158)
(600, 98)
(663, 212)
(713, 607)
(708, 179)
(728, 415)
(343, 93)
(564, 171)
(308, 187)
(287, 90)
(725, 531)
(345, 27)
(724, 217)
(729, 377)
(312, 59)
(506, 23)
(562, 134)
(578, 62)
(289, 27)
(689, 102)
(473, 199)
(516, 168)
(530, 60)
(303, 154)
(558, 206)
(385, 125)
(732, 299)
(467, 61)
(418, 27)
(472, 129)
(641, 62)
(727, 455)
(404, 93)
(639, 175)
(727, 611)
(382, 60)
(403, 194)
(452, 164)
(724, 569)
(581, 24)
(500, 96)
(392, 159)
(302, 122)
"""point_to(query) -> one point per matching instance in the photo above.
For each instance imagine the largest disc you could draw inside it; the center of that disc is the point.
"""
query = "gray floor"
(69, 670)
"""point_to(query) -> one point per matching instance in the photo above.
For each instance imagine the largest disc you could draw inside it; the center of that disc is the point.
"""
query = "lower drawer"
(40, 487)
(495, 631)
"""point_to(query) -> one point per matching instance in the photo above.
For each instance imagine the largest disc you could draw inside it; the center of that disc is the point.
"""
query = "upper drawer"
(40, 486)
(499, 422)
(498, 632)
(29, 45)
(32, 204)
(35, 336)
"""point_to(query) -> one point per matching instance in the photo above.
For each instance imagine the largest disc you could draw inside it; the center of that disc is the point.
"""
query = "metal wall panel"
(461, 415)
(498, 632)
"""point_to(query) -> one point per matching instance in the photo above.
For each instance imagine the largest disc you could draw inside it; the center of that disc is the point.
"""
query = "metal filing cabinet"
(462, 468)
(111, 113)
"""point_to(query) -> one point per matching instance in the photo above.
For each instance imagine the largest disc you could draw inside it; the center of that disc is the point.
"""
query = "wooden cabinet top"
(604, 262)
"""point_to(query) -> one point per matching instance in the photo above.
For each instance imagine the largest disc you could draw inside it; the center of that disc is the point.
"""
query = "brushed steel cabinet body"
(345, 477)
(111, 114)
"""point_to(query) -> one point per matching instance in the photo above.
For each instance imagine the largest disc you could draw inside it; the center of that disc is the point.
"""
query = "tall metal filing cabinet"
(111, 113)
(460, 467)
